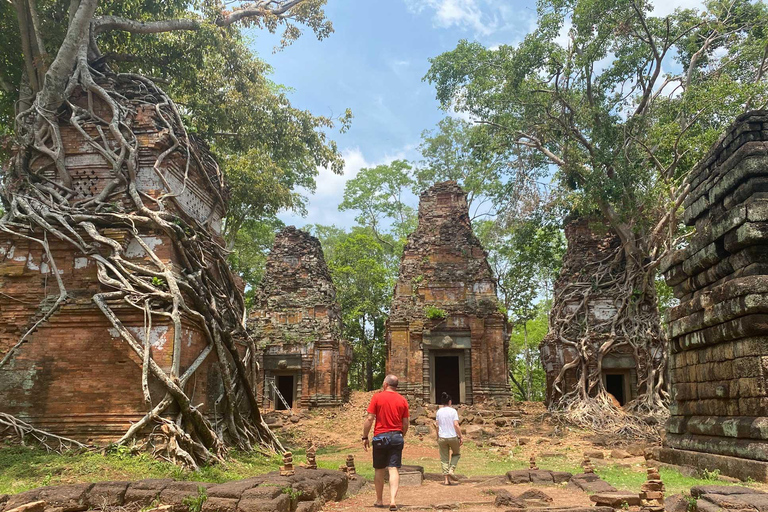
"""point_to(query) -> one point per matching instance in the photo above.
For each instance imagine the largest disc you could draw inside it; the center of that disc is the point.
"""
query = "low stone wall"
(306, 491)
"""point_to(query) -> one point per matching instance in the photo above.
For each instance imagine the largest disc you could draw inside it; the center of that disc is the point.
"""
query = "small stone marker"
(351, 472)
(311, 460)
(533, 463)
(652, 492)
(587, 465)
(287, 468)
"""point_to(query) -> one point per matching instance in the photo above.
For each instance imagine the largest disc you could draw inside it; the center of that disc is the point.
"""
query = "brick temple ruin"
(589, 240)
(296, 323)
(445, 331)
(74, 375)
(719, 332)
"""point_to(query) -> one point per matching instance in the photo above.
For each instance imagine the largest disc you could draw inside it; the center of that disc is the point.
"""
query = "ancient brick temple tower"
(74, 375)
(445, 331)
(590, 240)
(719, 332)
(296, 323)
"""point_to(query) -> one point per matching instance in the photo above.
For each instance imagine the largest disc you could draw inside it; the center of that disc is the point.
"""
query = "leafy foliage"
(622, 107)
(378, 195)
(525, 365)
(364, 270)
(434, 313)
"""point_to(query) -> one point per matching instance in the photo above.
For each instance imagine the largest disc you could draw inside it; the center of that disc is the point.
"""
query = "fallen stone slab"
(519, 476)
(505, 498)
(67, 498)
(106, 494)
(758, 502)
(144, 492)
(447, 506)
(616, 499)
(233, 489)
(541, 477)
(309, 506)
(535, 494)
(590, 483)
(176, 493)
(35, 506)
(724, 490)
(17, 500)
(280, 504)
(356, 486)
(214, 504)
(677, 503)
(620, 454)
(410, 476)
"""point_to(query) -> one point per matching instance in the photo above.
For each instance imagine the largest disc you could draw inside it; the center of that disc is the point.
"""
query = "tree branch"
(261, 9)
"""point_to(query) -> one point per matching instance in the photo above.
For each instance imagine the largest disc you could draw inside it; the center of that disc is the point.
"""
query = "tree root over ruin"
(586, 340)
(201, 287)
(22, 431)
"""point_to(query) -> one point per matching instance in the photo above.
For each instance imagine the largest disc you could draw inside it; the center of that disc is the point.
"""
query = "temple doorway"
(286, 385)
(616, 384)
(448, 376)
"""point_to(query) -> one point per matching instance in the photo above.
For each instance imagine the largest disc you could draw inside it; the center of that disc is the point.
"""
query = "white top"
(445, 418)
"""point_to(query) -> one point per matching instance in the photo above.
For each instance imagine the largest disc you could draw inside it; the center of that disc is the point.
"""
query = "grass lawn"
(24, 468)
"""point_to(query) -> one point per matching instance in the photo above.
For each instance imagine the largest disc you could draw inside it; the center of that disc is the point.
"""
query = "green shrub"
(434, 313)
(195, 503)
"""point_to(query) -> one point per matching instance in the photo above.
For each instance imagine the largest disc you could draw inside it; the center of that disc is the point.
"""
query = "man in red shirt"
(390, 411)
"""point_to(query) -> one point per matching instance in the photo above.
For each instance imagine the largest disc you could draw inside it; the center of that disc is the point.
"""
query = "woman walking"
(448, 438)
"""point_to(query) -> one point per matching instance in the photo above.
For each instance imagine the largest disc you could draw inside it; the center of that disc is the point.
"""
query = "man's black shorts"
(388, 450)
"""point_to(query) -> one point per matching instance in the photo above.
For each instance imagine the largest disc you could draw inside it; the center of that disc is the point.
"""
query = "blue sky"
(374, 64)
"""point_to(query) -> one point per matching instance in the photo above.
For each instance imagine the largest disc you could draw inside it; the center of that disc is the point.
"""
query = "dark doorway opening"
(614, 384)
(285, 386)
(447, 377)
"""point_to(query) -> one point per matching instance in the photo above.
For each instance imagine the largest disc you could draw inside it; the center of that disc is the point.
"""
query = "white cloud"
(323, 205)
(458, 13)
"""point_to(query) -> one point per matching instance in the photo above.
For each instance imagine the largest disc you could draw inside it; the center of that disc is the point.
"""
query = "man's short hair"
(391, 380)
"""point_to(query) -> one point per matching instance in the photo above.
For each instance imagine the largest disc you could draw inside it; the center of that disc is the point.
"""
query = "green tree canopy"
(620, 102)
(377, 194)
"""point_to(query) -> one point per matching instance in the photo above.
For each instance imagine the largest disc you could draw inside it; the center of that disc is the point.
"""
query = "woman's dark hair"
(445, 398)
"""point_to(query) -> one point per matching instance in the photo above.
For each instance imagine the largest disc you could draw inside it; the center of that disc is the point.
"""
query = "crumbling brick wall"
(296, 322)
(444, 270)
(589, 240)
(74, 375)
(719, 332)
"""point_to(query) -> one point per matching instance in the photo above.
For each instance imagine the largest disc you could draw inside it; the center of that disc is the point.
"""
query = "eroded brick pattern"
(444, 272)
(719, 332)
(296, 323)
(74, 375)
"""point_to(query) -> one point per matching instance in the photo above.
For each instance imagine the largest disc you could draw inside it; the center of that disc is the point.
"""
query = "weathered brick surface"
(444, 266)
(296, 322)
(719, 360)
(74, 376)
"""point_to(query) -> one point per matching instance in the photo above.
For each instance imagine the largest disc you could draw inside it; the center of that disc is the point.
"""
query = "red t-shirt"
(390, 407)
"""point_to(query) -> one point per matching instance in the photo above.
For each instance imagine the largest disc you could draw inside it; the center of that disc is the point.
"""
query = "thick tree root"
(204, 290)
(635, 329)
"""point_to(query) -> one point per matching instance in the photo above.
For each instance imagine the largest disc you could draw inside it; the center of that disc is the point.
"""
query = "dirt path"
(471, 497)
